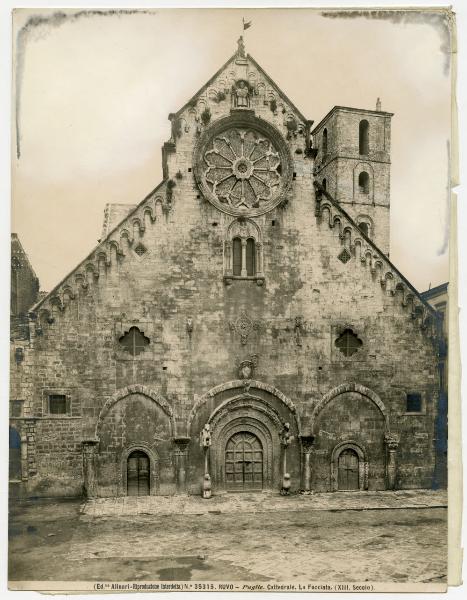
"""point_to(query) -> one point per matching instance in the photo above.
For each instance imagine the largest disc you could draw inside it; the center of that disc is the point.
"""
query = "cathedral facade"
(243, 321)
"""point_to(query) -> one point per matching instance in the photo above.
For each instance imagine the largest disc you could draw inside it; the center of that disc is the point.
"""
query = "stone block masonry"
(255, 307)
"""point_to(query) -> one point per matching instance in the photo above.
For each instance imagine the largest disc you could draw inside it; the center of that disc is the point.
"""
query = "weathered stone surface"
(202, 321)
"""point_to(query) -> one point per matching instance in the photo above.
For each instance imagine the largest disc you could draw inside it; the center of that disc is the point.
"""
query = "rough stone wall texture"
(113, 215)
(175, 293)
(343, 163)
(350, 417)
(24, 289)
(135, 423)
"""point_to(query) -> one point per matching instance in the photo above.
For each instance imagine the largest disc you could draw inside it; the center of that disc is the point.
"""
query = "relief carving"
(241, 94)
(242, 163)
(243, 326)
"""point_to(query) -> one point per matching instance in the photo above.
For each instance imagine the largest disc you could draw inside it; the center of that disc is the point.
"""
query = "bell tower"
(353, 165)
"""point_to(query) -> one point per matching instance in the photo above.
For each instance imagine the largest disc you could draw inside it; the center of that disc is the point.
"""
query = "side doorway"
(348, 471)
(138, 474)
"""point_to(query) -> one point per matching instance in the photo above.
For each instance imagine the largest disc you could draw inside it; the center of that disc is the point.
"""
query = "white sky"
(95, 93)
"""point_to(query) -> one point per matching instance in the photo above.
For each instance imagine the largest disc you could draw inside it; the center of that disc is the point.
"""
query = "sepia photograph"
(229, 299)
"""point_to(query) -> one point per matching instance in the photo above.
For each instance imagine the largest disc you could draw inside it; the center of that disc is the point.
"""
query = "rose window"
(241, 169)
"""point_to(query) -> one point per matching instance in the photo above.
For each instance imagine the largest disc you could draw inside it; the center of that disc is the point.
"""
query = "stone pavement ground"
(244, 537)
(263, 502)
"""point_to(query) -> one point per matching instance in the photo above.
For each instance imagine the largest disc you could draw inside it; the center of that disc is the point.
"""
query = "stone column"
(181, 454)
(205, 443)
(259, 259)
(228, 258)
(392, 442)
(307, 443)
(244, 271)
(285, 438)
(90, 467)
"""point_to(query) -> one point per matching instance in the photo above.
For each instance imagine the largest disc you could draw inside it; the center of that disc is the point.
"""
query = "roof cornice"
(376, 113)
(374, 247)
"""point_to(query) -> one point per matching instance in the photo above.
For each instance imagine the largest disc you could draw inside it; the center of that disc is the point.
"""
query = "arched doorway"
(349, 417)
(347, 470)
(243, 462)
(138, 472)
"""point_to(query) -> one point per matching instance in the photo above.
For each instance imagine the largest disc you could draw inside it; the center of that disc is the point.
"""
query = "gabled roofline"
(101, 243)
(350, 109)
(15, 237)
(219, 71)
(205, 86)
(375, 247)
(272, 82)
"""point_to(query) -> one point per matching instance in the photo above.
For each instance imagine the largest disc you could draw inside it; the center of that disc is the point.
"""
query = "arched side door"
(138, 468)
(348, 470)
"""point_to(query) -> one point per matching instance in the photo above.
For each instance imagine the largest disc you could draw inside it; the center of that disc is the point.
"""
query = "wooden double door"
(138, 474)
(244, 462)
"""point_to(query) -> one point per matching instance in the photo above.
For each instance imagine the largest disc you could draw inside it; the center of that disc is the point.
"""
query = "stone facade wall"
(343, 163)
(200, 330)
(135, 422)
(23, 292)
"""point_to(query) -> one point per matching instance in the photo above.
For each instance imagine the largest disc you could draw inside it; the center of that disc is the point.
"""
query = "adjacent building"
(438, 298)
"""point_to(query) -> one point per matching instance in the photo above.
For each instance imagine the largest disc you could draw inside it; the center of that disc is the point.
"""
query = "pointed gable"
(220, 88)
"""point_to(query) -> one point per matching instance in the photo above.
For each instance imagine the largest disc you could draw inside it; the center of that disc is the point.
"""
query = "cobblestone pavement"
(278, 539)
(260, 502)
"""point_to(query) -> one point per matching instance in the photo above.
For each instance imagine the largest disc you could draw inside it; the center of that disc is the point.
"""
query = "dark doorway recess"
(138, 474)
(348, 470)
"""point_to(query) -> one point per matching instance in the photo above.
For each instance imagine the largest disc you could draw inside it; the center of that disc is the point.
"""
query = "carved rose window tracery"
(243, 168)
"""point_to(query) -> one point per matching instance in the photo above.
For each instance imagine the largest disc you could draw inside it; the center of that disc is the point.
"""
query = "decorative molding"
(246, 368)
(362, 464)
(243, 326)
(244, 421)
(129, 391)
(344, 256)
(250, 403)
(307, 442)
(239, 384)
(392, 440)
(154, 471)
(357, 244)
(102, 260)
(349, 387)
(243, 154)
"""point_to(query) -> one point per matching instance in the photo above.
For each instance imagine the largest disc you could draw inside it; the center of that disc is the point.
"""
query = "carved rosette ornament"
(244, 326)
(243, 165)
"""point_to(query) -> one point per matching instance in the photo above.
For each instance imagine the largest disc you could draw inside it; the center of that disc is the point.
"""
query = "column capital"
(307, 441)
(391, 440)
(90, 442)
(181, 441)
